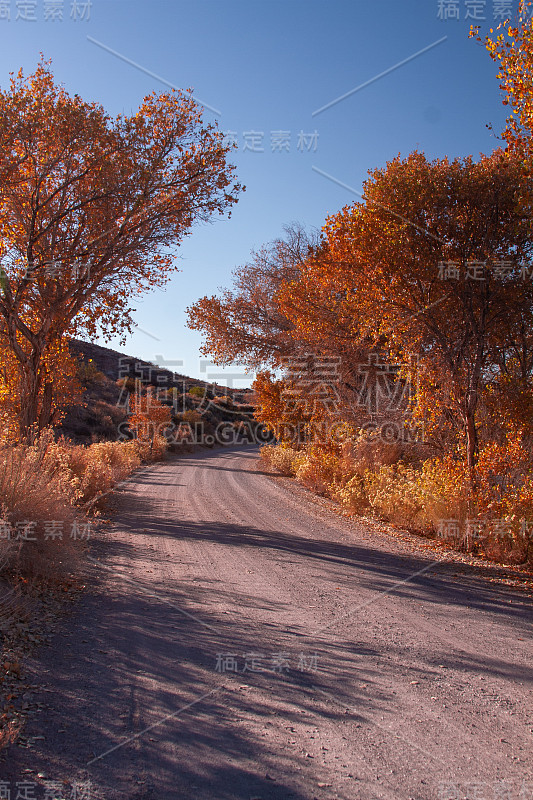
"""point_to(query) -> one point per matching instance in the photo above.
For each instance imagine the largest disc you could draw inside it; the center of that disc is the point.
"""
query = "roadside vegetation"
(432, 498)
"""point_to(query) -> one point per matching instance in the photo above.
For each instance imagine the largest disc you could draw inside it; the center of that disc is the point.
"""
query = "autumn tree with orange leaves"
(429, 273)
(253, 324)
(90, 206)
(433, 266)
(429, 276)
(149, 418)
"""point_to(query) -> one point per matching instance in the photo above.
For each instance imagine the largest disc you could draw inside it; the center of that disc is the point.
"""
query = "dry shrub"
(51, 482)
(191, 416)
(369, 452)
(436, 499)
(367, 472)
(321, 470)
(339, 470)
(444, 491)
(393, 492)
(96, 469)
(35, 489)
(151, 451)
(361, 456)
(352, 495)
(431, 496)
(184, 434)
(505, 499)
(419, 498)
(285, 459)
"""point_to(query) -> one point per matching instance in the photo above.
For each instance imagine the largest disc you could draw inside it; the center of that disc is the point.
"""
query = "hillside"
(108, 376)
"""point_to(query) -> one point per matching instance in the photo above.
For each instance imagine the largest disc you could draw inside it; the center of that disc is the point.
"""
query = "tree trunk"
(471, 439)
(471, 460)
(45, 414)
(30, 387)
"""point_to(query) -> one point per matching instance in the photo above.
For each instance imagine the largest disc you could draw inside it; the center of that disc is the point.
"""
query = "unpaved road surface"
(236, 641)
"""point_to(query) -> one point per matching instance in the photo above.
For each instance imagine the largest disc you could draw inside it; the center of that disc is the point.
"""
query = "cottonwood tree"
(432, 266)
(305, 335)
(90, 207)
(67, 386)
(247, 324)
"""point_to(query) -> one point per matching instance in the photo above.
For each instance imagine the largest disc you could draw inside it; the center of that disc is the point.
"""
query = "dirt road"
(239, 642)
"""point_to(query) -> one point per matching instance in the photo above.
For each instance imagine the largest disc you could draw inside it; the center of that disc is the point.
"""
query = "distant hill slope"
(103, 414)
(115, 365)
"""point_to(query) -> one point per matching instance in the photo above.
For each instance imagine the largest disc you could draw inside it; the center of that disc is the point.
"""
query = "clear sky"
(265, 69)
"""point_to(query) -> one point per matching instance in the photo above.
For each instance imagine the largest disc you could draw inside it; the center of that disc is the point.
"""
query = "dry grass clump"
(321, 470)
(419, 499)
(94, 470)
(46, 491)
(36, 491)
(352, 495)
(368, 453)
(45, 488)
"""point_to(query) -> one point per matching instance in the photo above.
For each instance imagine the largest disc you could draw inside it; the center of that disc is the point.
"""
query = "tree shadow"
(137, 674)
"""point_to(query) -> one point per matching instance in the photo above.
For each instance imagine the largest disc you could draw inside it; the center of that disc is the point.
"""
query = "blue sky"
(267, 67)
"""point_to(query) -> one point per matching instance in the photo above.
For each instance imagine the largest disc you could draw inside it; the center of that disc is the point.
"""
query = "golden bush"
(285, 459)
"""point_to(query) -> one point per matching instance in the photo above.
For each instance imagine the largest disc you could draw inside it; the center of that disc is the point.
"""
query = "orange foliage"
(287, 421)
(149, 417)
(247, 324)
(378, 278)
(89, 208)
(59, 386)
(512, 50)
